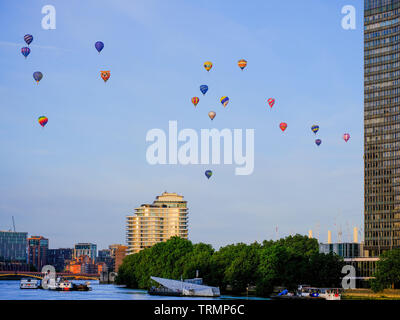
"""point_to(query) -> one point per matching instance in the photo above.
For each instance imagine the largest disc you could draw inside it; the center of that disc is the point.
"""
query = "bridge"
(39, 275)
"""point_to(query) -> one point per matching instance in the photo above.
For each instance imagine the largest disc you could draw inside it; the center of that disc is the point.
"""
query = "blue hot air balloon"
(28, 39)
(25, 51)
(208, 173)
(99, 46)
(318, 142)
(203, 88)
(315, 128)
(37, 76)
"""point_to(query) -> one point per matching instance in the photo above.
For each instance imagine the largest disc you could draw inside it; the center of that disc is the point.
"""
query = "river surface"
(9, 290)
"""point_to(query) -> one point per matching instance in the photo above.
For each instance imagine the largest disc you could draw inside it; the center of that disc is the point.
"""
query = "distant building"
(85, 249)
(13, 251)
(37, 251)
(153, 223)
(120, 254)
(105, 257)
(345, 250)
(59, 258)
(13, 246)
(84, 264)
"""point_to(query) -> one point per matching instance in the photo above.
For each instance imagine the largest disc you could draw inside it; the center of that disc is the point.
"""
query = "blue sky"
(78, 178)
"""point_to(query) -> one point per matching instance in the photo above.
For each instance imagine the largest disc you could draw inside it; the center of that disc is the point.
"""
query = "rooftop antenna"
(13, 223)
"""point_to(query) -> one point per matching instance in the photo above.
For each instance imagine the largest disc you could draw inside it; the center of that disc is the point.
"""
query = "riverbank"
(368, 294)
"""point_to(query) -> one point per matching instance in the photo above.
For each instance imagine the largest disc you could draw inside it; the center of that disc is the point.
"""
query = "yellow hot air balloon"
(242, 64)
(208, 65)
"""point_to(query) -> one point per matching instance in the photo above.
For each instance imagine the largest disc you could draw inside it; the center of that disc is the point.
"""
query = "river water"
(9, 290)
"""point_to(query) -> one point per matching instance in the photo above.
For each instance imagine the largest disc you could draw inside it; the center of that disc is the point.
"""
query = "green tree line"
(387, 274)
(286, 262)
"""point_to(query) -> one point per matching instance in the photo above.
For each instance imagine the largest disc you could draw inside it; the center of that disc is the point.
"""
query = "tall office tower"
(381, 125)
(157, 222)
(85, 249)
(37, 251)
(13, 246)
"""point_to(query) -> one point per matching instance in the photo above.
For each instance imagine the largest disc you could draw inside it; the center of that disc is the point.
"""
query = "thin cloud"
(13, 44)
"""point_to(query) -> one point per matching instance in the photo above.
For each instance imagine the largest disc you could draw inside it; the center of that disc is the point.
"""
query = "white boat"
(29, 284)
(326, 293)
(189, 287)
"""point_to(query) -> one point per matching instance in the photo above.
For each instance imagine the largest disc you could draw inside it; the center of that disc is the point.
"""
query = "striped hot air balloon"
(195, 101)
(242, 64)
(271, 102)
(224, 101)
(25, 51)
(43, 120)
(208, 65)
(28, 39)
(315, 128)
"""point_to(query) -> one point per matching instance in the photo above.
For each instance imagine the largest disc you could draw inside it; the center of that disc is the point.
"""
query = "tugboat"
(66, 285)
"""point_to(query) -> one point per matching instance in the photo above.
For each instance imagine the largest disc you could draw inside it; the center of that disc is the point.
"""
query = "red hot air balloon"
(195, 101)
(271, 102)
(283, 126)
(346, 137)
(105, 75)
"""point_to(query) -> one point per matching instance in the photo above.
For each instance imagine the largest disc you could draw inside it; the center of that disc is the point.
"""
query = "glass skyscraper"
(381, 125)
(13, 246)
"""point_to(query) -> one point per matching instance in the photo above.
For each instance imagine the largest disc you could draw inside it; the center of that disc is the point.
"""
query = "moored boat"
(26, 283)
(189, 287)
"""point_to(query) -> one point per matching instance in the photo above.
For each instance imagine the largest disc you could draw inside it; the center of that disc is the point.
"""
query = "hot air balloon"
(208, 65)
(195, 101)
(37, 76)
(283, 126)
(224, 101)
(43, 120)
(212, 115)
(271, 102)
(99, 46)
(203, 89)
(105, 75)
(346, 137)
(208, 174)
(242, 64)
(28, 39)
(25, 51)
(318, 142)
(315, 128)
